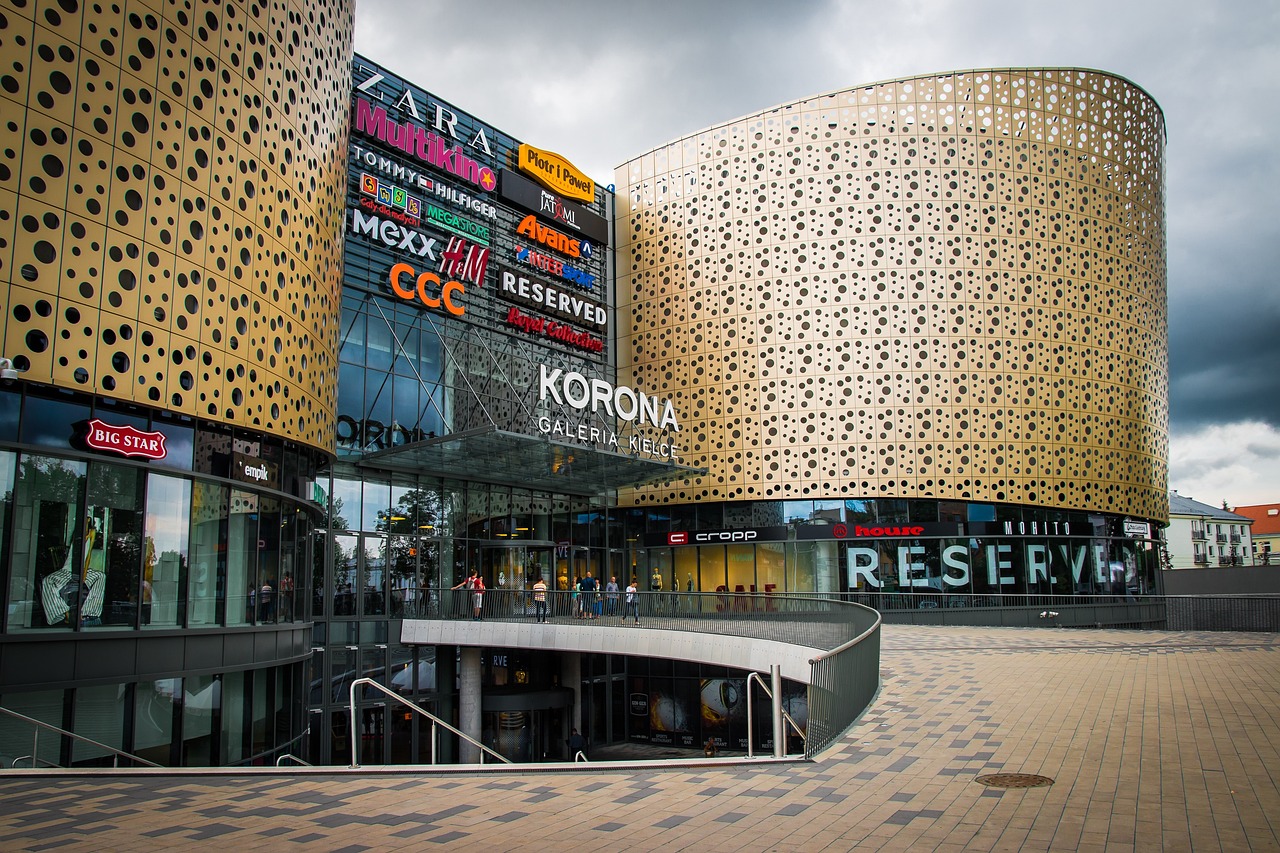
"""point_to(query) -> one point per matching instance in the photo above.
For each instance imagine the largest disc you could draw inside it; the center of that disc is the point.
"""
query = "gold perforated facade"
(171, 201)
(947, 287)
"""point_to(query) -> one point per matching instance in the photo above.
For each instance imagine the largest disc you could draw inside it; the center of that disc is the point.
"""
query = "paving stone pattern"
(1155, 741)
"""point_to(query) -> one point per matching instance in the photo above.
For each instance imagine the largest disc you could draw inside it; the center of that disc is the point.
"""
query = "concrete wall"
(1233, 580)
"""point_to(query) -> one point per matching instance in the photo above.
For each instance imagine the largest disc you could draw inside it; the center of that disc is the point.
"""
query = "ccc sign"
(427, 289)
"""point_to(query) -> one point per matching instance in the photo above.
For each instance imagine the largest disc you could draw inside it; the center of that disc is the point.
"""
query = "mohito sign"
(124, 439)
(422, 144)
(555, 173)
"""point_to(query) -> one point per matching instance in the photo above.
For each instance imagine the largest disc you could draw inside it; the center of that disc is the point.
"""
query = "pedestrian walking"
(631, 602)
(540, 599)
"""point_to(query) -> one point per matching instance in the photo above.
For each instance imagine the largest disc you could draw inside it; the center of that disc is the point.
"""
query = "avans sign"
(551, 238)
(124, 439)
(555, 173)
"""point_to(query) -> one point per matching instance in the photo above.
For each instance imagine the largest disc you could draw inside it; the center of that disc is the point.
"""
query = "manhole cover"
(1014, 780)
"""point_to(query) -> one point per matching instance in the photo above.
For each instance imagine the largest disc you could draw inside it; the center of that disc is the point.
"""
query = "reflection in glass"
(164, 563)
(48, 576)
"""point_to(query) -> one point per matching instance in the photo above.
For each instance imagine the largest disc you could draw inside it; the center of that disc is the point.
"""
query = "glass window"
(242, 558)
(164, 561)
(47, 557)
(99, 715)
(10, 412)
(17, 737)
(179, 444)
(113, 545)
(269, 552)
(201, 703)
(155, 705)
(51, 422)
(235, 717)
(209, 520)
(8, 466)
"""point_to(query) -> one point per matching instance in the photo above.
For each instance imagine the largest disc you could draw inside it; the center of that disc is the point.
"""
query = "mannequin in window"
(62, 589)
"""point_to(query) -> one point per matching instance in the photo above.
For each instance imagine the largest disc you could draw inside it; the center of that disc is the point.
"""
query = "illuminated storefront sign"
(547, 297)
(556, 267)
(443, 119)
(422, 144)
(948, 564)
(426, 184)
(555, 173)
(463, 261)
(251, 469)
(425, 286)
(549, 237)
(124, 439)
(392, 235)
(561, 332)
(525, 193)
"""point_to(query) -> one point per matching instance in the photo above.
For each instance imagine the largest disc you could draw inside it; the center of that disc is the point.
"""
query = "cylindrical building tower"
(172, 180)
(949, 287)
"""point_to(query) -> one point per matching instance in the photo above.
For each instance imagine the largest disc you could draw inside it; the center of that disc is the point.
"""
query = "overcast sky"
(600, 82)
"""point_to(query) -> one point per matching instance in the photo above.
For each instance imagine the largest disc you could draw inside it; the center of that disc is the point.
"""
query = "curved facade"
(950, 287)
(171, 183)
(171, 197)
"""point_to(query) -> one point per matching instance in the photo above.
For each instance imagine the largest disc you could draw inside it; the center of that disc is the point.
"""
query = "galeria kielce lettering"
(422, 144)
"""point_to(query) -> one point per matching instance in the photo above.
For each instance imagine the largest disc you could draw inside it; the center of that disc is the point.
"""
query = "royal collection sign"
(555, 173)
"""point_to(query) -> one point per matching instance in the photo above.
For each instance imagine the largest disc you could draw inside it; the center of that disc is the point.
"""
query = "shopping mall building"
(297, 345)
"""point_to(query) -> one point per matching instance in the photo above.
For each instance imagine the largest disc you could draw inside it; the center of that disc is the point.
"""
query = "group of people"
(588, 601)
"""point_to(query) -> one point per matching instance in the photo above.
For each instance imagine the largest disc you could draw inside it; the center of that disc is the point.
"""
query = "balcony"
(831, 646)
(1222, 538)
(1197, 533)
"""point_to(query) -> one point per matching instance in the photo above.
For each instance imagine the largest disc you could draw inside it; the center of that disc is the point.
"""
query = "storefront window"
(164, 561)
(235, 717)
(50, 421)
(48, 574)
(242, 558)
(113, 545)
(205, 581)
(269, 551)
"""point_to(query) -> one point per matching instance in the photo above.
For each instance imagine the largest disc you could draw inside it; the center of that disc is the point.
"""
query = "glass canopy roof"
(535, 462)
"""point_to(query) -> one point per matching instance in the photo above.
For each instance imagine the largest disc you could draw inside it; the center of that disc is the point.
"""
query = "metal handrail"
(751, 730)
(117, 754)
(580, 756)
(289, 756)
(435, 721)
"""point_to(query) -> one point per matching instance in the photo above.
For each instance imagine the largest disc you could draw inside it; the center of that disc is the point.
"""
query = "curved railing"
(844, 677)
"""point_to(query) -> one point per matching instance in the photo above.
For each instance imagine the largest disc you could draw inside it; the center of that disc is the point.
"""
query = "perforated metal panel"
(171, 189)
(950, 286)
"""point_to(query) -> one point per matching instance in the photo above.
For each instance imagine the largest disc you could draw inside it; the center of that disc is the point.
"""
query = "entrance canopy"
(536, 462)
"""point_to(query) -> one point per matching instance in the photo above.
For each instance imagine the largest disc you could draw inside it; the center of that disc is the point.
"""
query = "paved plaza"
(1153, 740)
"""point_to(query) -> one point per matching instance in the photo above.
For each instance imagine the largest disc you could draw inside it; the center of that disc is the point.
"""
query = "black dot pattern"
(171, 194)
(945, 287)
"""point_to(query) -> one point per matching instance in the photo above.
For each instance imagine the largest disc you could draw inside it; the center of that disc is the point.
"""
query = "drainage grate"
(1014, 780)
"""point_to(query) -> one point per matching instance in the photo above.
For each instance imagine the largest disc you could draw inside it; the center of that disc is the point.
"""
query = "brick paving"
(1154, 740)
